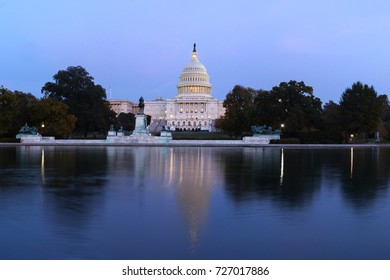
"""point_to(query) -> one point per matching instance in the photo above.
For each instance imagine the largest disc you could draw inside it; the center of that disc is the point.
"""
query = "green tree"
(332, 129)
(385, 126)
(267, 110)
(295, 106)
(8, 110)
(51, 117)
(361, 110)
(127, 121)
(239, 111)
(87, 101)
(14, 108)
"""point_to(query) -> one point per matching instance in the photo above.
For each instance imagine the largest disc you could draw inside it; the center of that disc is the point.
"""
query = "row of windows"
(189, 123)
(194, 69)
(194, 79)
(192, 107)
(190, 104)
(196, 89)
(191, 110)
(189, 117)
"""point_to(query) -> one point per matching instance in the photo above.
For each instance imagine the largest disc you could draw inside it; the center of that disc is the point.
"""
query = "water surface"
(194, 203)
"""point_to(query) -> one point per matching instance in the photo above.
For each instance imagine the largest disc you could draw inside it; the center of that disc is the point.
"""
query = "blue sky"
(139, 48)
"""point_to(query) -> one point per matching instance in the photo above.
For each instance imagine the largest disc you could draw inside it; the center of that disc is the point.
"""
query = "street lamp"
(281, 129)
(42, 127)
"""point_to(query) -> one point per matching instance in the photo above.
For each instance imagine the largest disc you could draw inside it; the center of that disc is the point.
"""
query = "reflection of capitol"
(190, 172)
(194, 182)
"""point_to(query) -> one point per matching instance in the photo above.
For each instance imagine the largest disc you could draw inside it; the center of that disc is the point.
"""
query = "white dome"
(194, 66)
(194, 80)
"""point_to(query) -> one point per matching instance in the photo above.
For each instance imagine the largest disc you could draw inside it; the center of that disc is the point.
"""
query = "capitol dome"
(194, 80)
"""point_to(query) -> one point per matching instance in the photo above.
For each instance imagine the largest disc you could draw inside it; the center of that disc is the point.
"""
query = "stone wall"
(263, 139)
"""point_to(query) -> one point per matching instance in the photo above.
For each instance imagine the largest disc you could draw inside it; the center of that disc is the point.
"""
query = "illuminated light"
(43, 167)
(351, 171)
(282, 167)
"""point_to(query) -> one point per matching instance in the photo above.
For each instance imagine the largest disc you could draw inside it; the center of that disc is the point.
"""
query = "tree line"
(72, 105)
(360, 116)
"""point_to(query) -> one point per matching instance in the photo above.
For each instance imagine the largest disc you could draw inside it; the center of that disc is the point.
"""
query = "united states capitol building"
(193, 107)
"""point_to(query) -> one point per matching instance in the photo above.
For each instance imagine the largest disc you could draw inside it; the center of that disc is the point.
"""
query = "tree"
(127, 121)
(267, 109)
(14, 108)
(292, 104)
(385, 125)
(295, 106)
(239, 111)
(332, 130)
(361, 110)
(7, 109)
(51, 117)
(87, 101)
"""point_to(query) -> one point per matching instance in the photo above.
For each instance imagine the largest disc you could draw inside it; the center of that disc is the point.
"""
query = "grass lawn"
(9, 140)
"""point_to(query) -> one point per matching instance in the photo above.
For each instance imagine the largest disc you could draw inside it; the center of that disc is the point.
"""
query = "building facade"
(156, 109)
(193, 107)
(123, 106)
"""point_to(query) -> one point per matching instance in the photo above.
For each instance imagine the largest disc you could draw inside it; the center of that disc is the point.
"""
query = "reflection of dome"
(194, 80)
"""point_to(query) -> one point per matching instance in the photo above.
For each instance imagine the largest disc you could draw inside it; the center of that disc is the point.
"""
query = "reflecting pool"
(194, 203)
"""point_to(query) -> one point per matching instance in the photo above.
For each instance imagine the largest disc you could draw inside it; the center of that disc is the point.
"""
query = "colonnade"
(191, 107)
(194, 89)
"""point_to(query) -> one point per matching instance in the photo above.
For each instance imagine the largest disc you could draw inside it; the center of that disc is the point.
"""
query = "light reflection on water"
(194, 203)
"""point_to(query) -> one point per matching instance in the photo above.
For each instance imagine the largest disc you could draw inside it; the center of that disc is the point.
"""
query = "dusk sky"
(139, 48)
